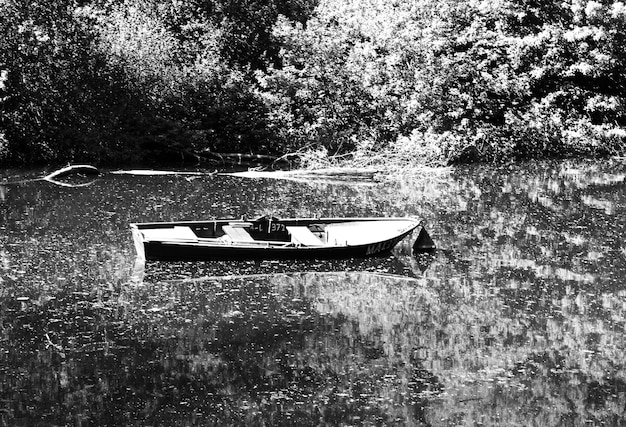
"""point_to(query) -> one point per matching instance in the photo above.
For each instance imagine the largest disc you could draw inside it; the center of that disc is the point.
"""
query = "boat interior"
(241, 232)
(272, 231)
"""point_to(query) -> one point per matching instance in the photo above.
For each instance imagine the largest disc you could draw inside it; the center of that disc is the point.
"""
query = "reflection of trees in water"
(482, 351)
(291, 358)
(335, 347)
(235, 351)
(538, 218)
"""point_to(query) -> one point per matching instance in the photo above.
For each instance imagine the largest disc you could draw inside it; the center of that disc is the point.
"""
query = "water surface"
(518, 319)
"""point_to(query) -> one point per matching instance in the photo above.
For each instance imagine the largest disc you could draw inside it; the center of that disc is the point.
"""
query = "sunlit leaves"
(502, 71)
(483, 79)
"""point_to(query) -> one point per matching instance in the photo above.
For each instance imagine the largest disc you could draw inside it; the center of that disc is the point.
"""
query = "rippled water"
(518, 319)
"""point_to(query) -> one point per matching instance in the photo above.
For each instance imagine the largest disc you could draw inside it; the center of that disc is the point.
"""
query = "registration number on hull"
(380, 247)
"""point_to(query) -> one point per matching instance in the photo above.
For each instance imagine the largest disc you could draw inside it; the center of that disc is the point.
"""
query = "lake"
(518, 319)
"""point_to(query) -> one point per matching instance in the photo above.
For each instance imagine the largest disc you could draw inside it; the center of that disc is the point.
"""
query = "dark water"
(520, 319)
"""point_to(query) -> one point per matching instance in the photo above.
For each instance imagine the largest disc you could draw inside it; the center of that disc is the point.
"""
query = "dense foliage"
(420, 80)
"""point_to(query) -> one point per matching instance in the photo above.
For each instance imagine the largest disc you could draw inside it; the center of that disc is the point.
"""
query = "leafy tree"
(246, 27)
(48, 70)
(438, 80)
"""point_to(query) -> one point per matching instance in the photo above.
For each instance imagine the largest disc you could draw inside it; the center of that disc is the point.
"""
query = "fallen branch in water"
(70, 170)
(152, 172)
(67, 184)
(328, 175)
(61, 173)
(389, 164)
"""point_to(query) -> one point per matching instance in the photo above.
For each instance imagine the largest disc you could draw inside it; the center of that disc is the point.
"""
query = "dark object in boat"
(270, 238)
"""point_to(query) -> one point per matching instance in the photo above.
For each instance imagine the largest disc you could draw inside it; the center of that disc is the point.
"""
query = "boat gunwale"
(164, 224)
(214, 241)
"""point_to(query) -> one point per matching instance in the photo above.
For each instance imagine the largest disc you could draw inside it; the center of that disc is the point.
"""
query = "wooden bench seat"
(238, 234)
(303, 236)
(178, 233)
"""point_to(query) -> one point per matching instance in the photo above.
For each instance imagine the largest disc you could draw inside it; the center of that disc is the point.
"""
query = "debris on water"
(234, 313)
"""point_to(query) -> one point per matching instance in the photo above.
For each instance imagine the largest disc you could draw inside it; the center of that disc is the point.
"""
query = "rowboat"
(269, 237)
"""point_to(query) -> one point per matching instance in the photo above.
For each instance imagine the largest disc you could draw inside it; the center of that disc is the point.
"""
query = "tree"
(45, 58)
